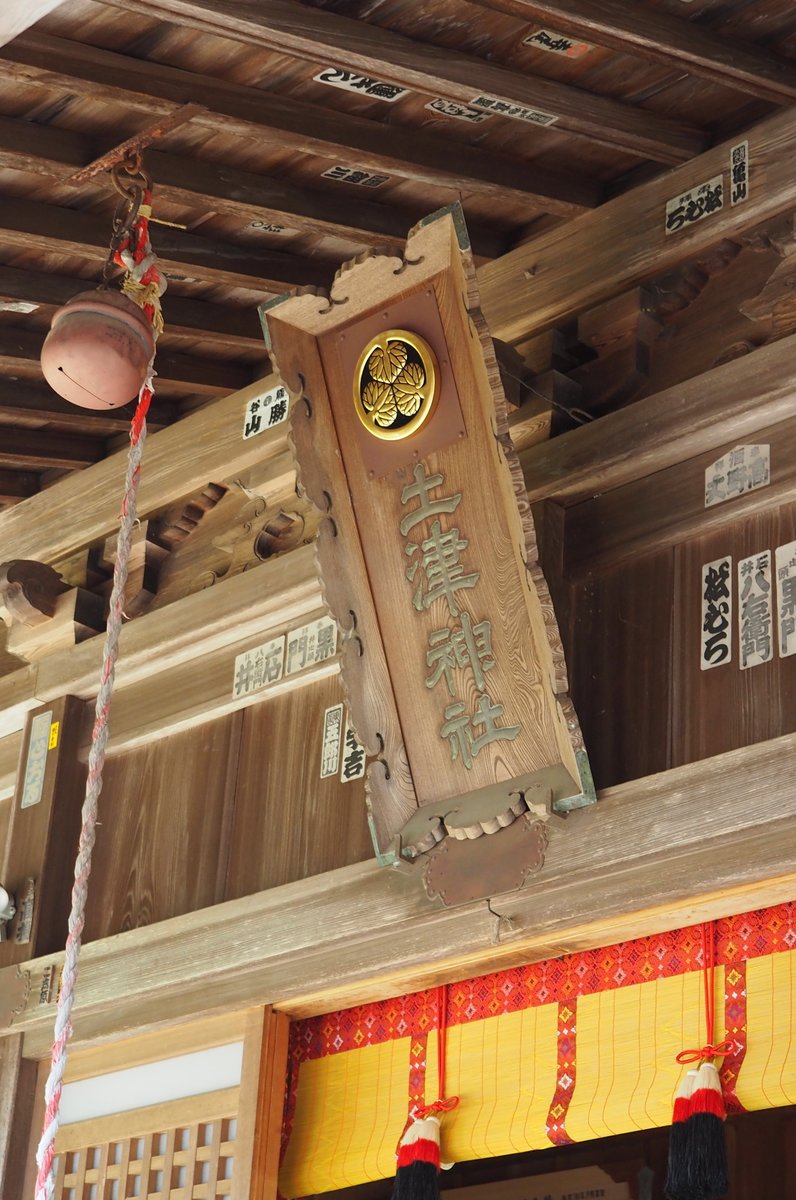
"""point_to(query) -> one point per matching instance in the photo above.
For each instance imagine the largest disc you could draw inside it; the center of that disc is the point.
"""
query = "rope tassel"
(697, 1168)
(418, 1166)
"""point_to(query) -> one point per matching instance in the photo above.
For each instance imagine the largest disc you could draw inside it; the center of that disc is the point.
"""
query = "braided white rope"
(45, 1181)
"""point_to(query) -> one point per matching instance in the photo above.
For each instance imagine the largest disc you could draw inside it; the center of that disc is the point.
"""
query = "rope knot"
(685, 1057)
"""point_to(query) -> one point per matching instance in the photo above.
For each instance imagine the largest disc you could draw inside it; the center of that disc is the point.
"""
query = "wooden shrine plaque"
(451, 657)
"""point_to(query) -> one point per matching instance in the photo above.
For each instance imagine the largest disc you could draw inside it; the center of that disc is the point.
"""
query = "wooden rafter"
(734, 400)
(291, 124)
(178, 374)
(641, 860)
(25, 405)
(17, 485)
(289, 28)
(682, 45)
(58, 153)
(188, 319)
(205, 186)
(40, 451)
(577, 265)
(26, 225)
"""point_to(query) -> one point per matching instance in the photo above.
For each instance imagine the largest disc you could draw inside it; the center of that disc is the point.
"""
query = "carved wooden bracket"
(28, 592)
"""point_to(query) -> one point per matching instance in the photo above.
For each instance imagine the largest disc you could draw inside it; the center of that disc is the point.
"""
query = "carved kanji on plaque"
(450, 652)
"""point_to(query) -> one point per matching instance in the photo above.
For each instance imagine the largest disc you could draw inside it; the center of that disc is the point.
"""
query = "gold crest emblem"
(396, 384)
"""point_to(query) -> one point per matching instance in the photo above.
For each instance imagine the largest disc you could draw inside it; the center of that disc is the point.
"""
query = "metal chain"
(131, 181)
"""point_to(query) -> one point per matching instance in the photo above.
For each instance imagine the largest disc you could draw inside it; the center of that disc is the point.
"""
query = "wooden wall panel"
(619, 659)
(162, 843)
(289, 823)
(726, 707)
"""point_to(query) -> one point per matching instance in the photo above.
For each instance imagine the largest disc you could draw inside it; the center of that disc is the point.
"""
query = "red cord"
(440, 1105)
(708, 983)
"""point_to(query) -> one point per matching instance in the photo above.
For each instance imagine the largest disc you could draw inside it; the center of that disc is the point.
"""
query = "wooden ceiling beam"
(214, 187)
(602, 253)
(643, 860)
(675, 42)
(38, 450)
(177, 374)
(27, 406)
(292, 124)
(207, 445)
(313, 34)
(17, 485)
(27, 224)
(187, 319)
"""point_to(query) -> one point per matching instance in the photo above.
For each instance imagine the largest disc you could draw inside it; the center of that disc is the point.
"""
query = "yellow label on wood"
(55, 729)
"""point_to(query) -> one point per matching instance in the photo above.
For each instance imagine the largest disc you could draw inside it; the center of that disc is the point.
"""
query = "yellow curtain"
(577, 1048)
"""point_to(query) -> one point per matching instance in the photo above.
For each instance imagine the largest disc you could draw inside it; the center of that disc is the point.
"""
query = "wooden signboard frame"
(451, 656)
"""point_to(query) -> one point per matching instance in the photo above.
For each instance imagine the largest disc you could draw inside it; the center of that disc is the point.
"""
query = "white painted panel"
(153, 1083)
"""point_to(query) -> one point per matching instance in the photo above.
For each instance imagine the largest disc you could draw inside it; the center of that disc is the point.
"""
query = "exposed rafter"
(27, 406)
(682, 45)
(188, 319)
(292, 124)
(58, 154)
(289, 28)
(178, 374)
(26, 225)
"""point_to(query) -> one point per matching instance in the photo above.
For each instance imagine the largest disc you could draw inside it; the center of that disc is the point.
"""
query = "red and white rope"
(45, 1154)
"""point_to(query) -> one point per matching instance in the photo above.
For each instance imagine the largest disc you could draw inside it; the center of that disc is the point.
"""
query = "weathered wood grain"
(730, 402)
(41, 841)
(162, 845)
(663, 38)
(79, 510)
(291, 124)
(620, 524)
(288, 822)
(262, 1097)
(246, 195)
(282, 27)
(700, 841)
(718, 710)
(560, 273)
(10, 747)
(17, 1086)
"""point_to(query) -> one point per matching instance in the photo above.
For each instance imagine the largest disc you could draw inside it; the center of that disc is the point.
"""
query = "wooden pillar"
(262, 1097)
(17, 1095)
(37, 866)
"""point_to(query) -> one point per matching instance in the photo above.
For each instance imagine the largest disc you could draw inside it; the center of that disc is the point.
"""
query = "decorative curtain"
(561, 1051)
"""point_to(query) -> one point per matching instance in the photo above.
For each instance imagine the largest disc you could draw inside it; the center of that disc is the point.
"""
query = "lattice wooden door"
(179, 1151)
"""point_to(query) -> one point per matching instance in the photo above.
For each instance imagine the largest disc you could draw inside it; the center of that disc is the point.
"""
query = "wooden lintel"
(623, 242)
(704, 840)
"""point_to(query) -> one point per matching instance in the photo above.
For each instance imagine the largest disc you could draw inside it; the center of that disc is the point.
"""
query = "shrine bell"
(98, 350)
